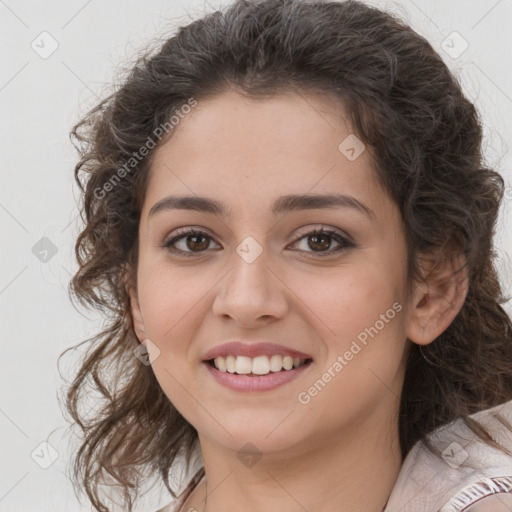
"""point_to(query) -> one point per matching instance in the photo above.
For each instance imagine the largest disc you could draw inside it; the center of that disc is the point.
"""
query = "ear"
(436, 300)
(130, 281)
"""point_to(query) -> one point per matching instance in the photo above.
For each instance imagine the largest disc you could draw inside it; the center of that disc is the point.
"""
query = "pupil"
(204, 245)
(316, 238)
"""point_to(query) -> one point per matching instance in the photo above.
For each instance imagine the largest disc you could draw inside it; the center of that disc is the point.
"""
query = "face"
(258, 269)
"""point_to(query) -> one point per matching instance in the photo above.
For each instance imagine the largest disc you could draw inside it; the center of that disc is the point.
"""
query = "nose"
(251, 293)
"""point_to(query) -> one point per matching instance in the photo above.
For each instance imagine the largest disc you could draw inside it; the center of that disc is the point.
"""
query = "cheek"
(348, 301)
(171, 301)
(359, 316)
(173, 308)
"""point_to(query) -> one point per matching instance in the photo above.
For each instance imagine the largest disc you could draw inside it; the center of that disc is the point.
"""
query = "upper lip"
(239, 348)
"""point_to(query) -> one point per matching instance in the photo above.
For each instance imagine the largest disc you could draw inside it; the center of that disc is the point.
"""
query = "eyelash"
(184, 233)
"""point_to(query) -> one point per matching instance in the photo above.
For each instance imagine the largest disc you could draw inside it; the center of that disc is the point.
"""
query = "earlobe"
(131, 289)
(437, 300)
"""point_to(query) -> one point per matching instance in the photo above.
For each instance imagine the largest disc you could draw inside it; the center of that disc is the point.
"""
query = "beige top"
(469, 471)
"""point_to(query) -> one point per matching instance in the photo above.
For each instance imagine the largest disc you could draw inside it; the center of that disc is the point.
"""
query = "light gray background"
(41, 98)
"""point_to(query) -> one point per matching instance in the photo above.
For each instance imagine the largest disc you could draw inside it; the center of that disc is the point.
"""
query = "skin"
(340, 451)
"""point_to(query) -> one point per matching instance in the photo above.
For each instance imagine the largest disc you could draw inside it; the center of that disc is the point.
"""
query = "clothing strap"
(472, 493)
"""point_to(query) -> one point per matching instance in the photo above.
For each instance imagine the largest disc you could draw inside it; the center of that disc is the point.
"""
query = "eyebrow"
(283, 204)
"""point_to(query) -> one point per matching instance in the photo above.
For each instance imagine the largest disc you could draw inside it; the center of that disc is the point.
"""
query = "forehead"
(248, 149)
(279, 123)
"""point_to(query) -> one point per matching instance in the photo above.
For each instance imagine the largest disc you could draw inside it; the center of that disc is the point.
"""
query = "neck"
(350, 471)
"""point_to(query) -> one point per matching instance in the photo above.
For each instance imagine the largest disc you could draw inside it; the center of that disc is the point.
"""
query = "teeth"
(230, 364)
(221, 364)
(260, 365)
(243, 364)
(276, 363)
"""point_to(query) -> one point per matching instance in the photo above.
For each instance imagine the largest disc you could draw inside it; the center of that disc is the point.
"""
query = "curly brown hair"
(426, 137)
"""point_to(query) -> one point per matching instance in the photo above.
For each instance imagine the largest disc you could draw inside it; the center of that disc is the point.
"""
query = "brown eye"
(320, 241)
(198, 242)
(189, 242)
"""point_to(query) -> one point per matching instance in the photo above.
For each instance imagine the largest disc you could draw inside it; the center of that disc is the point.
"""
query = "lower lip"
(247, 384)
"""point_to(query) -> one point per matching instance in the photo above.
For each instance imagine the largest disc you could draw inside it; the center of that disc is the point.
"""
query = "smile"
(255, 366)
(249, 380)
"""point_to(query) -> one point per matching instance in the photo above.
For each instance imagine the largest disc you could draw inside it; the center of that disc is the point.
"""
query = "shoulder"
(464, 472)
(487, 494)
(502, 503)
(495, 503)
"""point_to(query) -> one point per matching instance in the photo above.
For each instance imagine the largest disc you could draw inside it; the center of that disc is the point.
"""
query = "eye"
(320, 240)
(198, 241)
(191, 240)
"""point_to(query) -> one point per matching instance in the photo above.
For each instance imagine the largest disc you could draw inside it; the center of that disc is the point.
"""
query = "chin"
(268, 435)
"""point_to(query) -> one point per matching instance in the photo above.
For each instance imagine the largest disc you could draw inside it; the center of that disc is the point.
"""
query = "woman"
(289, 224)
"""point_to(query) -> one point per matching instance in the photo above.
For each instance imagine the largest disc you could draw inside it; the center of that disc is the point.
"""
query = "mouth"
(258, 366)
(244, 374)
